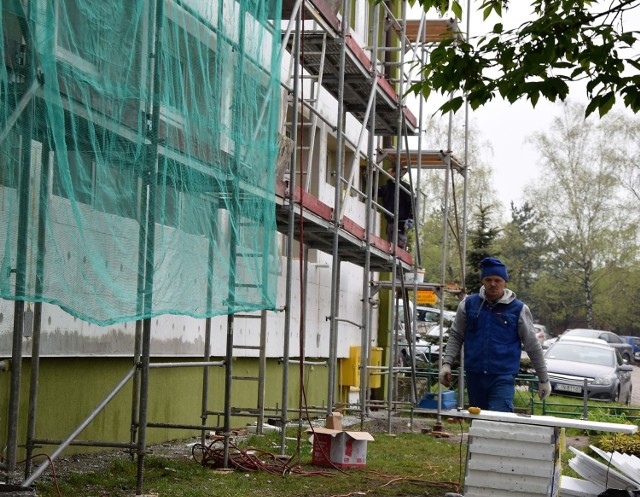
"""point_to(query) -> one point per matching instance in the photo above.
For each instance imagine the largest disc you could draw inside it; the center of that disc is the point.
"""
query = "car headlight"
(604, 380)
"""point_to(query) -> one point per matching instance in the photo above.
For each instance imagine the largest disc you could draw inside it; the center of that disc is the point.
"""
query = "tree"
(524, 244)
(563, 42)
(625, 151)
(482, 240)
(480, 191)
(582, 206)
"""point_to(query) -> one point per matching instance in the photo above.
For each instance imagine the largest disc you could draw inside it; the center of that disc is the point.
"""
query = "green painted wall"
(70, 389)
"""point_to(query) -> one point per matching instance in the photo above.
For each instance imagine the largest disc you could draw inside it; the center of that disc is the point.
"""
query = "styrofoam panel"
(593, 470)
(633, 464)
(493, 492)
(511, 431)
(512, 448)
(515, 483)
(575, 487)
(546, 420)
(620, 461)
(509, 465)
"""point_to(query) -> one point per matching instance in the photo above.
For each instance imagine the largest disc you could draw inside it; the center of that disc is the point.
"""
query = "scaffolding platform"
(318, 227)
(426, 159)
(320, 52)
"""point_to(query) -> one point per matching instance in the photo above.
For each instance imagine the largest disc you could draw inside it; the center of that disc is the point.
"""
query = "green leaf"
(607, 103)
(457, 9)
(534, 97)
(593, 105)
(426, 92)
(629, 38)
(452, 105)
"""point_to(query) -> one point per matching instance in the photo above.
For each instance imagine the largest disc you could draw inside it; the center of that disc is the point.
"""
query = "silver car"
(579, 362)
(622, 346)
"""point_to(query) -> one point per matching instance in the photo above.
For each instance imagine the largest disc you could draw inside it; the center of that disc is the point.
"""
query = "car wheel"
(628, 358)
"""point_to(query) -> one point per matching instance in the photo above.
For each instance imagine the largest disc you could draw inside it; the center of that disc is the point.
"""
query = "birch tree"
(580, 202)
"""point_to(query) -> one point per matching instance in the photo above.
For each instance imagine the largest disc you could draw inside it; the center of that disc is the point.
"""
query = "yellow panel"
(350, 368)
(426, 297)
(375, 359)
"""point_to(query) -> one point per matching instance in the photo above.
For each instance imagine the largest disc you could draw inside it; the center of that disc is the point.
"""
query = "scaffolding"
(365, 82)
(368, 84)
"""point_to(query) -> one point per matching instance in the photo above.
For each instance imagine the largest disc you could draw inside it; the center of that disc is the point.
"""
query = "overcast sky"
(514, 161)
(507, 126)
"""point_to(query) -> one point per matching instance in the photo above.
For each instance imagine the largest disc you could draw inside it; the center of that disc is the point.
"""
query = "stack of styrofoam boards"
(506, 459)
(575, 487)
(628, 464)
(601, 474)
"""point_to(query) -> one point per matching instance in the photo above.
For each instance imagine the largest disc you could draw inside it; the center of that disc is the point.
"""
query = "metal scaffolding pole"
(335, 268)
(79, 430)
(365, 341)
(148, 234)
(43, 220)
(290, 234)
(396, 274)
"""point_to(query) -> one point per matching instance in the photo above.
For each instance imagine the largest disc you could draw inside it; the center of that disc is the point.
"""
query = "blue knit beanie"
(493, 267)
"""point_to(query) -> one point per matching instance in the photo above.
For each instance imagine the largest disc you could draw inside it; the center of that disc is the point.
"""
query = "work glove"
(544, 390)
(445, 375)
(408, 224)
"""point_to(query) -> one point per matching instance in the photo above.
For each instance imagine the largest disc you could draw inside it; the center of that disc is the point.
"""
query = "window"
(10, 157)
(117, 190)
(73, 176)
(99, 175)
(95, 37)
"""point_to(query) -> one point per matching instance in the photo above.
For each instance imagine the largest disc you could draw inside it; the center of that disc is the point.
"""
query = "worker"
(493, 325)
(387, 195)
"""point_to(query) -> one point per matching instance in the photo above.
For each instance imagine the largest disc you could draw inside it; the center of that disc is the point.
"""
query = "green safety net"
(138, 149)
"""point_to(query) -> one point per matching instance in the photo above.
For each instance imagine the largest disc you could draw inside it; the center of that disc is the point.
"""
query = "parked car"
(424, 348)
(431, 314)
(621, 345)
(547, 343)
(572, 361)
(635, 343)
(541, 333)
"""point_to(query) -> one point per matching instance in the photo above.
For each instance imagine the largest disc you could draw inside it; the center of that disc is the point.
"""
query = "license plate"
(569, 388)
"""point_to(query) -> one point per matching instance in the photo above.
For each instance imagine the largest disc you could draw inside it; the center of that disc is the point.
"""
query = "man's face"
(494, 287)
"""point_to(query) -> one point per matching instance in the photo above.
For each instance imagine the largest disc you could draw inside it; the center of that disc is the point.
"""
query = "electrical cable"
(249, 459)
(460, 455)
(53, 471)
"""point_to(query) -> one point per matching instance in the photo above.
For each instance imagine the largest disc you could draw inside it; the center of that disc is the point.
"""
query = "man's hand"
(445, 375)
(544, 390)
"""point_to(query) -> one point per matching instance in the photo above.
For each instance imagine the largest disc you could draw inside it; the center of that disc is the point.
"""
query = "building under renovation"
(193, 237)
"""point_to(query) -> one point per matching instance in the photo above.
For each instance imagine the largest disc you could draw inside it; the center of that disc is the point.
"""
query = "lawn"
(407, 460)
(403, 463)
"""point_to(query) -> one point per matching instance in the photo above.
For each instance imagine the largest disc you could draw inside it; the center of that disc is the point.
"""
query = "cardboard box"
(342, 449)
(334, 422)
(430, 400)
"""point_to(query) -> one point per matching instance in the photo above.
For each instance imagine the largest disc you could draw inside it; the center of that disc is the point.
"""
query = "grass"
(397, 465)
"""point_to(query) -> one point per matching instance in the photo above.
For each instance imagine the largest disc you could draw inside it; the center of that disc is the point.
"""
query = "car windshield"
(582, 333)
(581, 353)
